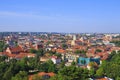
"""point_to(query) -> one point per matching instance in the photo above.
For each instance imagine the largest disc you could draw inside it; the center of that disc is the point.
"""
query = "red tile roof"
(60, 51)
(18, 56)
(102, 79)
(51, 74)
(15, 49)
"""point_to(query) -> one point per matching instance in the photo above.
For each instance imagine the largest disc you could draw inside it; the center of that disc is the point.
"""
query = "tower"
(73, 41)
(74, 37)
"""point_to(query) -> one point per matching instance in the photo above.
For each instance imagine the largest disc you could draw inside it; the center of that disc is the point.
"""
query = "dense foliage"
(2, 46)
(20, 69)
(74, 73)
(39, 52)
(15, 69)
(111, 67)
(80, 52)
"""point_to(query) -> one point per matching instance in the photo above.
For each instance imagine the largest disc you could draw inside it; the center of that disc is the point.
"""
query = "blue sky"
(60, 15)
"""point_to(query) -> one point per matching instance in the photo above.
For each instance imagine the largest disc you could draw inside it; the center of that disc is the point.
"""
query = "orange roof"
(16, 49)
(51, 74)
(103, 79)
(79, 47)
(20, 55)
(60, 51)
(103, 55)
(30, 77)
(8, 54)
(92, 51)
(41, 73)
(115, 48)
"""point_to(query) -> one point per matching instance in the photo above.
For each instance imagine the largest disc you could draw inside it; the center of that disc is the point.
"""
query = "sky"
(77, 16)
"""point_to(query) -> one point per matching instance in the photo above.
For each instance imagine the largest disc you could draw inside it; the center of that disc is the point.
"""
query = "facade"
(85, 61)
(56, 60)
(71, 57)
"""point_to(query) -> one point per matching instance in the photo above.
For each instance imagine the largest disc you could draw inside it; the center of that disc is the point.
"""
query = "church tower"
(73, 41)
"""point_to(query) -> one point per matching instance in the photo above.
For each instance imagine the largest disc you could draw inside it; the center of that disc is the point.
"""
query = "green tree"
(40, 52)
(100, 72)
(58, 55)
(3, 58)
(80, 52)
(73, 63)
(3, 68)
(118, 78)
(62, 64)
(22, 75)
(64, 46)
(2, 46)
(48, 66)
(92, 72)
(52, 67)
(8, 74)
(48, 42)
(111, 66)
(98, 50)
(33, 51)
(77, 51)
(60, 77)
(74, 73)
(33, 63)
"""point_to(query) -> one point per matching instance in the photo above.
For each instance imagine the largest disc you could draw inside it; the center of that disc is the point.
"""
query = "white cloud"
(30, 15)
(33, 15)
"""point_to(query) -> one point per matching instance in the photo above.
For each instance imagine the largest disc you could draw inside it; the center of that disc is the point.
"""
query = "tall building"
(73, 41)
(74, 37)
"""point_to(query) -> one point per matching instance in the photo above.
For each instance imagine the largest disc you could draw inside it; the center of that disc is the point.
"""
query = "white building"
(73, 41)
(56, 60)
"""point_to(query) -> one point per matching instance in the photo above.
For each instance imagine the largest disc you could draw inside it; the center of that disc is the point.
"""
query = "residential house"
(14, 50)
(56, 60)
(17, 53)
(70, 57)
(44, 59)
